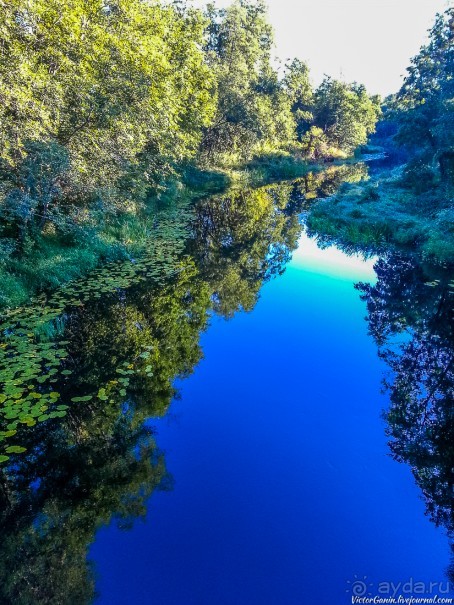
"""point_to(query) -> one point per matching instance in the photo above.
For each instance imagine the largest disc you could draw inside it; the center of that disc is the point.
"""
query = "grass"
(51, 260)
(371, 215)
(50, 263)
(381, 212)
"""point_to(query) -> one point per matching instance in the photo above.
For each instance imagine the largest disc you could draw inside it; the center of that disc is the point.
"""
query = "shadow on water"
(83, 371)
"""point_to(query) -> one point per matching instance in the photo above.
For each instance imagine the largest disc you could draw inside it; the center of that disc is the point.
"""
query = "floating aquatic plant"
(34, 356)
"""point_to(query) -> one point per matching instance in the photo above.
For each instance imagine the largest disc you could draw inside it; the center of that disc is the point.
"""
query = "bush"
(419, 176)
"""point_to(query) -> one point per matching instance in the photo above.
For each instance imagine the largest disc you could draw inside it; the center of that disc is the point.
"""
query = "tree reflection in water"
(101, 463)
(410, 315)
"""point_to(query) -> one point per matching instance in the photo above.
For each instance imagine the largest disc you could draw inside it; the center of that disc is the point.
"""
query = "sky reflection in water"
(283, 484)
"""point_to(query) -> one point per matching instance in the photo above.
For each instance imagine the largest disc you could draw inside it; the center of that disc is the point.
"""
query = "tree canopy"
(103, 101)
(425, 103)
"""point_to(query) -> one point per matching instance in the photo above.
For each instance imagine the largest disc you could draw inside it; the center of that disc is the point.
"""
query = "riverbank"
(367, 213)
(384, 211)
(52, 259)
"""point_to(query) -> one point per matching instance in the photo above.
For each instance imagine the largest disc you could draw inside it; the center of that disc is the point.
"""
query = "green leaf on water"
(102, 394)
(15, 449)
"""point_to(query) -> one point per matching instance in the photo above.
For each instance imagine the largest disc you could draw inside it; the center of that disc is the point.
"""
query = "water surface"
(225, 389)
(284, 489)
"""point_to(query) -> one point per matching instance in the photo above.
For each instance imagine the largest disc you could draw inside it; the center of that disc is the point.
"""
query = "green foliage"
(424, 106)
(345, 113)
(314, 143)
(33, 188)
(105, 99)
(378, 213)
(253, 111)
(276, 166)
(198, 180)
(299, 90)
(258, 112)
(92, 75)
(411, 206)
(419, 176)
(111, 108)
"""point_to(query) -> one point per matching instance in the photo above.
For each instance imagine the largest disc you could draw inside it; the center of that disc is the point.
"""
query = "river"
(222, 435)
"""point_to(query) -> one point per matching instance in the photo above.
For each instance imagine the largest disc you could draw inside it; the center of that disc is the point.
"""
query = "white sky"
(370, 41)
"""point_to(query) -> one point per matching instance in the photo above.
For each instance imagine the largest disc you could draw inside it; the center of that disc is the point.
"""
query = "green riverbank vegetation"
(108, 106)
(411, 204)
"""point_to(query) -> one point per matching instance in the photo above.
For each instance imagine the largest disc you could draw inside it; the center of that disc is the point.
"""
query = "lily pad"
(15, 449)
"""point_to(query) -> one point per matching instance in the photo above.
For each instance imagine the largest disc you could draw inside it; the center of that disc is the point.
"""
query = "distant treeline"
(103, 102)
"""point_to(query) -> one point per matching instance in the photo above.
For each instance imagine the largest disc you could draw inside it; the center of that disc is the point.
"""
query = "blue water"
(284, 490)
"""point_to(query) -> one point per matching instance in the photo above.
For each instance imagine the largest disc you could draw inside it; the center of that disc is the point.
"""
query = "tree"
(345, 113)
(424, 105)
(252, 109)
(298, 88)
(122, 86)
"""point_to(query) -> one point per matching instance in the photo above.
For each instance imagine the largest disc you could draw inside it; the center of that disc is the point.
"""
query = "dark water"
(270, 475)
